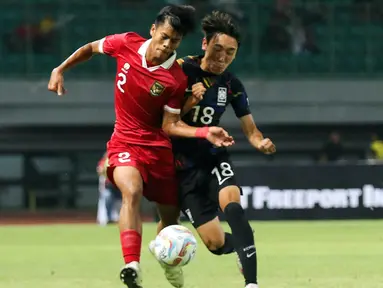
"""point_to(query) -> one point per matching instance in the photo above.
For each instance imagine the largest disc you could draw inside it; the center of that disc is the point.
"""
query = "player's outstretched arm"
(84, 53)
(255, 137)
(173, 126)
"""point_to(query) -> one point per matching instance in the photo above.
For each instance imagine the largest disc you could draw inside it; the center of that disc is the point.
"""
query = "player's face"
(164, 41)
(219, 52)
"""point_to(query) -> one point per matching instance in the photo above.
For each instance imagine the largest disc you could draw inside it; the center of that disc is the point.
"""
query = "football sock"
(243, 240)
(131, 245)
(227, 248)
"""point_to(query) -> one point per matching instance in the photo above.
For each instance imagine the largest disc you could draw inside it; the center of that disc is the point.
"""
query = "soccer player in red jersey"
(149, 89)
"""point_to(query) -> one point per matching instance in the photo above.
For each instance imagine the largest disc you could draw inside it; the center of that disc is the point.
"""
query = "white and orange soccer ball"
(175, 246)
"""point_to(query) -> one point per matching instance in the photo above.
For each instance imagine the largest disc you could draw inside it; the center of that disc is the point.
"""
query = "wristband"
(202, 132)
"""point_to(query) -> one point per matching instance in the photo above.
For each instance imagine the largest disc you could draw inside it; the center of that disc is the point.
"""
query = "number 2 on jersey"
(206, 117)
(121, 81)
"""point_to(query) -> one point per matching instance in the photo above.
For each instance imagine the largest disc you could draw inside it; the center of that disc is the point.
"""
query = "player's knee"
(214, 244)
(131, 195)
(131, 198)
(130, 184)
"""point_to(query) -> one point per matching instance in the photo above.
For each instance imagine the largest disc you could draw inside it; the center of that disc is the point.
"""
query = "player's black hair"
(181, 18)
(219, 22)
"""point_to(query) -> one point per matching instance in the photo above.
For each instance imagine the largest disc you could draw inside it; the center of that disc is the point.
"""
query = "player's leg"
(127, 173)
(129, 181)
(243, 238)
(224, 188)
(162, 189)
(202, 211)
(169, 215)
(215, 239)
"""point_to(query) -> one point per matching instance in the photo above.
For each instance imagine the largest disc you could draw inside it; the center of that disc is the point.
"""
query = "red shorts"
(156, 165)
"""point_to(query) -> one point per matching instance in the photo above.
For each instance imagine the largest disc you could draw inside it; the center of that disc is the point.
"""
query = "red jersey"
(142, 92)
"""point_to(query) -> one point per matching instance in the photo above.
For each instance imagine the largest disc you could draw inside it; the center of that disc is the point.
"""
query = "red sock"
(131, 245)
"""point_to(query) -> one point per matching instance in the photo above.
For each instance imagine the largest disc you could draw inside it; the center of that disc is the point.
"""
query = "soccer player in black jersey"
(205, 173)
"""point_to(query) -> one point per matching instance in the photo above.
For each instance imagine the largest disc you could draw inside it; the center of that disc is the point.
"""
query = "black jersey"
(222, 90)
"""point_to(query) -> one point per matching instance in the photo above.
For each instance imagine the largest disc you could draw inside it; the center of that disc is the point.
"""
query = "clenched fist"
(198, 91)
(266, 146)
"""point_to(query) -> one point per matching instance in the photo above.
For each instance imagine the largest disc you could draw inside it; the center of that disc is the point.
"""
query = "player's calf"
(243, 238)
(215, 239)
(129, 182)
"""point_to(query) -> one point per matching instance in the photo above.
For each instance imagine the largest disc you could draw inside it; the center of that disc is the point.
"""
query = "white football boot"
(251, 285)
(174, 275)
(131, 276)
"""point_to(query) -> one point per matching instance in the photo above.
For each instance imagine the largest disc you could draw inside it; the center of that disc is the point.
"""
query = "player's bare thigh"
(129, 181)
(229, 194)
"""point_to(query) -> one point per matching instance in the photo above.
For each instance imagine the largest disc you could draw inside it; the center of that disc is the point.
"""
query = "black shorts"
(199, 188)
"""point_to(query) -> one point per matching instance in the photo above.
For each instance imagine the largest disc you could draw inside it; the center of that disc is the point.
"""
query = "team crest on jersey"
(157, 89)
(222, 96)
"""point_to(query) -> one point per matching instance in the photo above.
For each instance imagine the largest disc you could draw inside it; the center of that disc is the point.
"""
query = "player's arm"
(255, 136)
(198, 91)
(108, 45)
(240, 104)
(175, 127)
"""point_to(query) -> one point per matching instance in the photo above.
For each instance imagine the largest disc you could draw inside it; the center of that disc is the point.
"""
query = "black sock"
(227, 248)
(243, 240)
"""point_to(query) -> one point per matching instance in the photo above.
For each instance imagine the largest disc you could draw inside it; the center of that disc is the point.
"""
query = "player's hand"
(56, 82)
(219, 137)
(266, 146)
(198, 91)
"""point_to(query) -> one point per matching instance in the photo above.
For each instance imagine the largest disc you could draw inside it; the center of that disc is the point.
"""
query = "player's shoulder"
(190, 65)
(177, 71)
(235, 82)
(132, 37)
(188, 60)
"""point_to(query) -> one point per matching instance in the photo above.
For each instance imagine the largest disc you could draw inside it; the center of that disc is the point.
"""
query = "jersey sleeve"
(175, 101)
(240, 101)
(110, 45)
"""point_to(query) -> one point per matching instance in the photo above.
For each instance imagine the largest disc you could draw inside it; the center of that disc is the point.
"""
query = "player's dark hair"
(181, 18)
(219, 22)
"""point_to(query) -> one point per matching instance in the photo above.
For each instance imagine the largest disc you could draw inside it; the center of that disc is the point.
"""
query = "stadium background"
(310, 68)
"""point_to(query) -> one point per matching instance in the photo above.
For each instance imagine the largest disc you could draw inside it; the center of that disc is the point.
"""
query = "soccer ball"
(174, 246)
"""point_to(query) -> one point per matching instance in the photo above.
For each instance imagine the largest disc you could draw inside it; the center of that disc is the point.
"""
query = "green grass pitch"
(333, 254)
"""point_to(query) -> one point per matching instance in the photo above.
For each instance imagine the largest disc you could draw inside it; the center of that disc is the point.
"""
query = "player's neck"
(204, 65)
(151, 60)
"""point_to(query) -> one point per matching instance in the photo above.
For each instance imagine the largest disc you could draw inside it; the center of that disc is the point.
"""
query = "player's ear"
(152, 29)
(204, 44)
